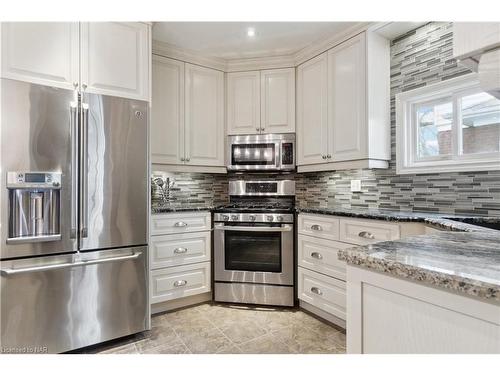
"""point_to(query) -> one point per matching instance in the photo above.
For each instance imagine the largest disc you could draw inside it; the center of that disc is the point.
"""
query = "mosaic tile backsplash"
(418, 58)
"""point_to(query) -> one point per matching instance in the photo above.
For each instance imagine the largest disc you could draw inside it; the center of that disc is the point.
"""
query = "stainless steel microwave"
(262, 152)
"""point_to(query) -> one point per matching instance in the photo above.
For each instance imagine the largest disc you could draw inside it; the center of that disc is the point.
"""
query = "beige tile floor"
(219, 328)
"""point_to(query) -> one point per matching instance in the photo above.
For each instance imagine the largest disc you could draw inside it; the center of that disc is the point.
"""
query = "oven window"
(253, 154)
(253, 251)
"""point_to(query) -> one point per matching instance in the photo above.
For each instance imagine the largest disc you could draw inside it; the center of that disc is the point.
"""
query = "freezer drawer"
(59, 303)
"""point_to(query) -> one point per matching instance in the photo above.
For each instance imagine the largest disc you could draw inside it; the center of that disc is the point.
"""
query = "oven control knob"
(225, 217)
(279, 218)
(269, 218)
(234, 217)
(252, 217)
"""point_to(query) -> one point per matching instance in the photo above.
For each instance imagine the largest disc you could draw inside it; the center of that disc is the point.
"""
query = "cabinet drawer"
(364, 232)
(319, 226)
(178, 249)
(320, 255)
(180, 222)
(181, 281)
(324, 292)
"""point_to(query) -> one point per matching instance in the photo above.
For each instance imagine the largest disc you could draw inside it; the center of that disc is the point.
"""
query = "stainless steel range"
(254, 244)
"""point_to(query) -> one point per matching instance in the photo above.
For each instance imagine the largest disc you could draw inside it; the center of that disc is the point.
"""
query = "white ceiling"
(229, 40)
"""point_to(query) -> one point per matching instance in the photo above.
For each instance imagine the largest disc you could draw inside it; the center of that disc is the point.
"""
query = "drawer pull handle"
(180, 224)
(367, 235)
(316, 227)
(180, 250)
(179, 283)
(316, 255)
(316, 291)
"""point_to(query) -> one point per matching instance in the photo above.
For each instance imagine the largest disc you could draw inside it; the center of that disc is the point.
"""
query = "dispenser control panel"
(33, 179)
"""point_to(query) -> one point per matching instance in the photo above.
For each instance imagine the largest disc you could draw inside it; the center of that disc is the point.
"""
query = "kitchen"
(250, 187)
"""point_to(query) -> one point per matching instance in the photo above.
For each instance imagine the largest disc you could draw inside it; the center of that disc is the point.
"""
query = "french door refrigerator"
(74, 218)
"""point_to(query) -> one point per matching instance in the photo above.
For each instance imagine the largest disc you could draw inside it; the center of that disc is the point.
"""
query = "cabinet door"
(115, 58)
(243, 103)
(277, 106)
(346, 101)
(312, 124)
(45, 53)
(204, 117)
(167, 111)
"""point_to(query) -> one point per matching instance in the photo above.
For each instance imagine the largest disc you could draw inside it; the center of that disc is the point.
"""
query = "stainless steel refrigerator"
(74, 218)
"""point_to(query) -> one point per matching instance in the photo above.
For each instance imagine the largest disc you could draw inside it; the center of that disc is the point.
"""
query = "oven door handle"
(287, 228)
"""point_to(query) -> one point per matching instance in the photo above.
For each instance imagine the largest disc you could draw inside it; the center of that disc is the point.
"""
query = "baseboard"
(322, 314)
(180, 302)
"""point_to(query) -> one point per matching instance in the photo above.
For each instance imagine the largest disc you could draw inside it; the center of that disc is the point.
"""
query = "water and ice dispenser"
(34, 206)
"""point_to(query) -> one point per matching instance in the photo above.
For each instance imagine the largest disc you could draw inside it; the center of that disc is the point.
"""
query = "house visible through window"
(448, 126)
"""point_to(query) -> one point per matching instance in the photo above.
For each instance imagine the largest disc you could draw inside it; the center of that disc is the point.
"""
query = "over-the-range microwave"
(262, 152)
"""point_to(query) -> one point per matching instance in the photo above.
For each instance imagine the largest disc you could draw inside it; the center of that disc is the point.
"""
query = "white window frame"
(406, 130)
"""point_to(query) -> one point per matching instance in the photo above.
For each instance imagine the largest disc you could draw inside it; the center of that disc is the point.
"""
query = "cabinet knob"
(183, 159)
(75, 85)
(329, 156)
(367, 235)
(84, 86)
(316, 291)
(323, 157)
(316, 227)
(316, 255)
(180, 224)
(180, 250)
(187, 160)
(257, 129)
(180, 283)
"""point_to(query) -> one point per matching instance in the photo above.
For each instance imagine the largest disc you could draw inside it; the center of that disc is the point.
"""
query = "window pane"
(434, 129)
(480, 123)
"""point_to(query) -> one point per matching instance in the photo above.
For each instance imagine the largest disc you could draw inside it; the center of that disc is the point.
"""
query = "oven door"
(253, 156)
(257, 253)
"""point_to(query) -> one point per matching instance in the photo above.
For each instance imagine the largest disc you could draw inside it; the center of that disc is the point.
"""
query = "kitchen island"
(433, 293)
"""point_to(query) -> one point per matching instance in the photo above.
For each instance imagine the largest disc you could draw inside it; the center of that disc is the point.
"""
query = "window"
(449, 126)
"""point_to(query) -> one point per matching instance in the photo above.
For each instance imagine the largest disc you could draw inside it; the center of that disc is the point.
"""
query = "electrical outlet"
(355, 185)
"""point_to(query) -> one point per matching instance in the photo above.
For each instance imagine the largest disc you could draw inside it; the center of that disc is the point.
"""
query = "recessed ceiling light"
(251, 32)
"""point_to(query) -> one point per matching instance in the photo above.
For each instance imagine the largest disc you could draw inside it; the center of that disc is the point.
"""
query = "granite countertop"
(181, 207)
(460, 223)
(467, 262)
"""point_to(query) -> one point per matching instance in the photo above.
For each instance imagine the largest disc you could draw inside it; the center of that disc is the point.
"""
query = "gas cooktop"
(256, 207)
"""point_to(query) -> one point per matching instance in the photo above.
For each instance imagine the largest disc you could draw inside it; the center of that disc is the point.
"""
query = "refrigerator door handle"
(16, 271)
(74, 167)
(84, 170)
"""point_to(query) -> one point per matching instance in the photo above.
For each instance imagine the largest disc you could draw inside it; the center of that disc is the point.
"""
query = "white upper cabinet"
(115, 58)
(261, 102)
(243, 103)
(277, 92)
(167, 111)
(343, 106)
(110, 58)
(473, 38)
(312, 124)
(204, 116)
(187, 116)
(45, 53)
(346, 101)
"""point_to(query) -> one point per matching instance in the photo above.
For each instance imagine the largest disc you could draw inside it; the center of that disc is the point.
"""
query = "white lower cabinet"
(320, 255)
(177, 282)
(323, 292)
(321, 275)
(180, 254)
(178, 249)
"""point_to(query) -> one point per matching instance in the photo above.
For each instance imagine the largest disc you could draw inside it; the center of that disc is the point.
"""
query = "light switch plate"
(355, 185)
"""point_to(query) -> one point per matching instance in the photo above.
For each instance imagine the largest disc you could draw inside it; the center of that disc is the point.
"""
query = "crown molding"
(331, 41)
(193, 57)
(261, 63)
